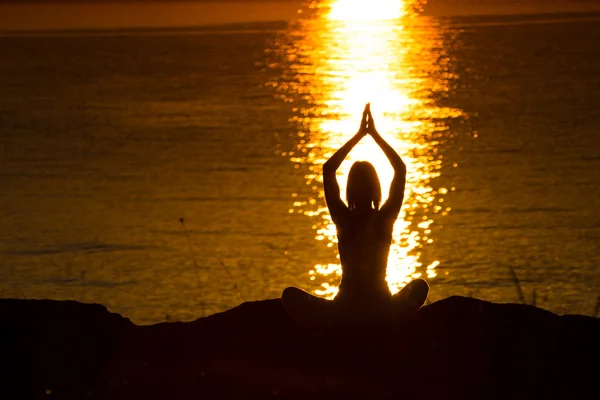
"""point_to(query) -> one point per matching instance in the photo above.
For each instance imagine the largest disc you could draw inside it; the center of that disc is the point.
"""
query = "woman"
(364, 231)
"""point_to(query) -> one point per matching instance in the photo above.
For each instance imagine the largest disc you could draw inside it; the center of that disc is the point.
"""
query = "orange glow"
(384, 53)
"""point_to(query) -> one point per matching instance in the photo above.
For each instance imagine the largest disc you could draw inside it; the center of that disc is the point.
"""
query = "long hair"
(363, 184)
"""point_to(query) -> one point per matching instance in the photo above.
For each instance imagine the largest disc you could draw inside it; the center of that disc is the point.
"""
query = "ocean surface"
(171, 173)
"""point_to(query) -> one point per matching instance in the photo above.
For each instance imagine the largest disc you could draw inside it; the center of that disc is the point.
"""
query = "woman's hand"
(364, 124)
(371, 125)
(337, 208)
(391, 207)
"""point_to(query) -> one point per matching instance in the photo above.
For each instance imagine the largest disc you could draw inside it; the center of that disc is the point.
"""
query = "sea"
(166, 162)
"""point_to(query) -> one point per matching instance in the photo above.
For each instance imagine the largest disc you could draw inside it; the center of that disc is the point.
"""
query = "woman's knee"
(415, 292)
(419, 287)
(292, 293)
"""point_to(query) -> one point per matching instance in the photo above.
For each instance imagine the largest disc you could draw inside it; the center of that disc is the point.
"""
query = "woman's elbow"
(400, 167)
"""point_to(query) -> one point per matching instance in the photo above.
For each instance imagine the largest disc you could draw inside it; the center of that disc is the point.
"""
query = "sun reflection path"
(343, 54)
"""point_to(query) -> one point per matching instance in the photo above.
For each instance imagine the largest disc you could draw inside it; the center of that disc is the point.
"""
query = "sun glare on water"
(373, 10)
(347, 53)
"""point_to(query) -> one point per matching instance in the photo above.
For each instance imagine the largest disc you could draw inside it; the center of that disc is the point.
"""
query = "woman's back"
(364, 229)
(364, 232)
(364, 240)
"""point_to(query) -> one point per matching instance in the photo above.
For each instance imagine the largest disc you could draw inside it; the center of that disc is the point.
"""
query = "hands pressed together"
(367, 125)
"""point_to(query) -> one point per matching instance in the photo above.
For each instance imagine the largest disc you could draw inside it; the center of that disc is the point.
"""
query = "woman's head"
(363, 189)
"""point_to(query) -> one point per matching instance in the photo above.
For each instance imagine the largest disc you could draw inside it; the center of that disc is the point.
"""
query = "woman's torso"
(364, 242)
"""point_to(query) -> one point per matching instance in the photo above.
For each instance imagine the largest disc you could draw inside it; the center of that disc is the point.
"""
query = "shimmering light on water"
(345, 54)
(379, 10)
(103, 153)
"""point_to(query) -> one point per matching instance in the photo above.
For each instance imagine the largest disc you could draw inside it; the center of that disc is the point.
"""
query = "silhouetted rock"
(455, 348)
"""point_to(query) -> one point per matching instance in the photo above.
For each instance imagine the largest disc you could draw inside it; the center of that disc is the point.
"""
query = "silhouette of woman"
(364, 231)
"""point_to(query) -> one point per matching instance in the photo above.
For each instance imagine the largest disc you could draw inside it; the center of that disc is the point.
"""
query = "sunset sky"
(23, 15)
(87, 14)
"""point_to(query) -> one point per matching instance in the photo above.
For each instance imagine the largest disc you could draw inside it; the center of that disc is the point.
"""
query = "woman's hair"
(363, 184)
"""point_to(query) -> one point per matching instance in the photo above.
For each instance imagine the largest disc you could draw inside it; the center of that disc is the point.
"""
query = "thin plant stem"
(187, 235)
(517, 284)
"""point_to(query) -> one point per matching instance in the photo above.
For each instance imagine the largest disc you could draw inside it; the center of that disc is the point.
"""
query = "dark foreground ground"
(456, 348)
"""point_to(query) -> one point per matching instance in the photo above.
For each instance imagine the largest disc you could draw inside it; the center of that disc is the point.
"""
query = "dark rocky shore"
(457, 348)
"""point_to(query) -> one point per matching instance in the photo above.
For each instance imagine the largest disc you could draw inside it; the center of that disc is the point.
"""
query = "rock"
(57, 347)
(455, 348)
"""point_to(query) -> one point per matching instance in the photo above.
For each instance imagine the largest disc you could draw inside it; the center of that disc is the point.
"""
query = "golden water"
(343, 55)
(109, 139)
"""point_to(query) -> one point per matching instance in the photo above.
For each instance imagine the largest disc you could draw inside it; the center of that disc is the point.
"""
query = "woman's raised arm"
(394, 202)
(332, 190)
